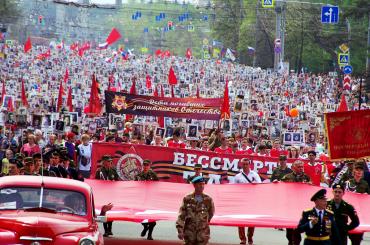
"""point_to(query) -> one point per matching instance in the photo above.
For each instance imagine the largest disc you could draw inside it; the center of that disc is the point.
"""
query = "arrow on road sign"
(347, 70)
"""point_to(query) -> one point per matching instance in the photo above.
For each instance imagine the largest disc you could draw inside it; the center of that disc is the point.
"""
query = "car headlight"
(86, 241)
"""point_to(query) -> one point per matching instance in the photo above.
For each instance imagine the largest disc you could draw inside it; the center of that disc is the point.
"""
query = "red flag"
(172, 92)
(172, 80)
(158, 52)
(160, 120)
(113, 36)
(166, 53)
(148, 82)
(83, 48)
(94, 105)
(73, 46)
(188, 53)
(148, 59)
(3, 92)
(66, 75)
(198, 95)
(23, 95)
(343, 104)
(225, 108)
(10, 105)
(162, 91)
(60, 96)
(155, 93)
(69, 100)
(27, 45)
(133, 86)
(44, 55)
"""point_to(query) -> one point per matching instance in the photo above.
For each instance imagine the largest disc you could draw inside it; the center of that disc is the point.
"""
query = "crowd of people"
(37, 139)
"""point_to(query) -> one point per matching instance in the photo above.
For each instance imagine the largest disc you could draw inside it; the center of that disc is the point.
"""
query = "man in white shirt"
(246, 176)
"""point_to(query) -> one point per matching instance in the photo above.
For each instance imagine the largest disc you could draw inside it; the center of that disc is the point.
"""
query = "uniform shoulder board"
(307, 210)
(329, 211)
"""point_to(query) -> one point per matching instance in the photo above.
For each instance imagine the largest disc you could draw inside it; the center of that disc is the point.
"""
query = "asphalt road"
(165, 233)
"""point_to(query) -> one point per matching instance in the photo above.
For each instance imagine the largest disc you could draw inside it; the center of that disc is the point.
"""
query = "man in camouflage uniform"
(359, 185)
(107, 172)
(280, 171)
(147, 175)
(342, 210)
(196, 211)
(298, 175)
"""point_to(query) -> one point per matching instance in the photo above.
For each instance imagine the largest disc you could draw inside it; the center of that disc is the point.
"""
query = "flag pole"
(359, 94)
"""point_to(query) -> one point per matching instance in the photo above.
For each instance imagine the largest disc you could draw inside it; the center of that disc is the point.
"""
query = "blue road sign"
(343, 59)
(330, 14)
(347, 70)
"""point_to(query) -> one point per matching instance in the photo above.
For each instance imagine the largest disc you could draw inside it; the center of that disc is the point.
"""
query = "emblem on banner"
(119, 102)
(128, 166)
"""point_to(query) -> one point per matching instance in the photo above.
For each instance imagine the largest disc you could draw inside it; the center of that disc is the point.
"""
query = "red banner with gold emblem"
(348, 134)
(123, 103)
(176, 165)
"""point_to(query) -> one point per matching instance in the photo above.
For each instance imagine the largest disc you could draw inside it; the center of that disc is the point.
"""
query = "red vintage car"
(38, 210)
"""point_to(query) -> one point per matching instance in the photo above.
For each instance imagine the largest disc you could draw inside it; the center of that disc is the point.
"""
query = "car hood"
(43, 224)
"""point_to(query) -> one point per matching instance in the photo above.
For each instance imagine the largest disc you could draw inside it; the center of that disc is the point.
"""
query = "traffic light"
(40, 19)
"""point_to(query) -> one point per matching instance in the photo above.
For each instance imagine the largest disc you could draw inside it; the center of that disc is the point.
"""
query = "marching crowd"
(261, 103)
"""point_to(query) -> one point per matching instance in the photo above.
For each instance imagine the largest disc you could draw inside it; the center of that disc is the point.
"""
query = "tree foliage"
(309, 44)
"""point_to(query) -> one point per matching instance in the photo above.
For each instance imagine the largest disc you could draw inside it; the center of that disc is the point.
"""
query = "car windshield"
(53, 200)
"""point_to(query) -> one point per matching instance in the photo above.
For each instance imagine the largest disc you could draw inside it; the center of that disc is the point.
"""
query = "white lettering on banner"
(187, 174)
(257, 165)
(191, 158)
(179, 158)
(230, 165)
(231, 179)
(200, 161)
(214, 179)
(271, 166)
(213, 159)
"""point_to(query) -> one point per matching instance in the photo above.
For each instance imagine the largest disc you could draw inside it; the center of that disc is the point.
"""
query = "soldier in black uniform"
(318, 223)
(147, 175)
(197, 170)
(342, 210)
(107, 172)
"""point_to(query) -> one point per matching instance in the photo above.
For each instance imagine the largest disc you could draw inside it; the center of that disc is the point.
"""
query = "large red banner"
(123, 103)
(348, 134)
(176, 165)
(261, 205)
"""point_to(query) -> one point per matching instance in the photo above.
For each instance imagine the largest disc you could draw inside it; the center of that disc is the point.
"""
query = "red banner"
(176, 165)
(261, 205)
(122, 103)
(348, 134)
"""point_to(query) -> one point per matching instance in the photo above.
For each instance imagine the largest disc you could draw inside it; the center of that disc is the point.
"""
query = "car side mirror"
(101, 219)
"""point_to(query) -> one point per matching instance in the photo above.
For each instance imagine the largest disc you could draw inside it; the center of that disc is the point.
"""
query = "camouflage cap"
(106, 158)
(146, 162)
(28, 160)
(282, 157)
